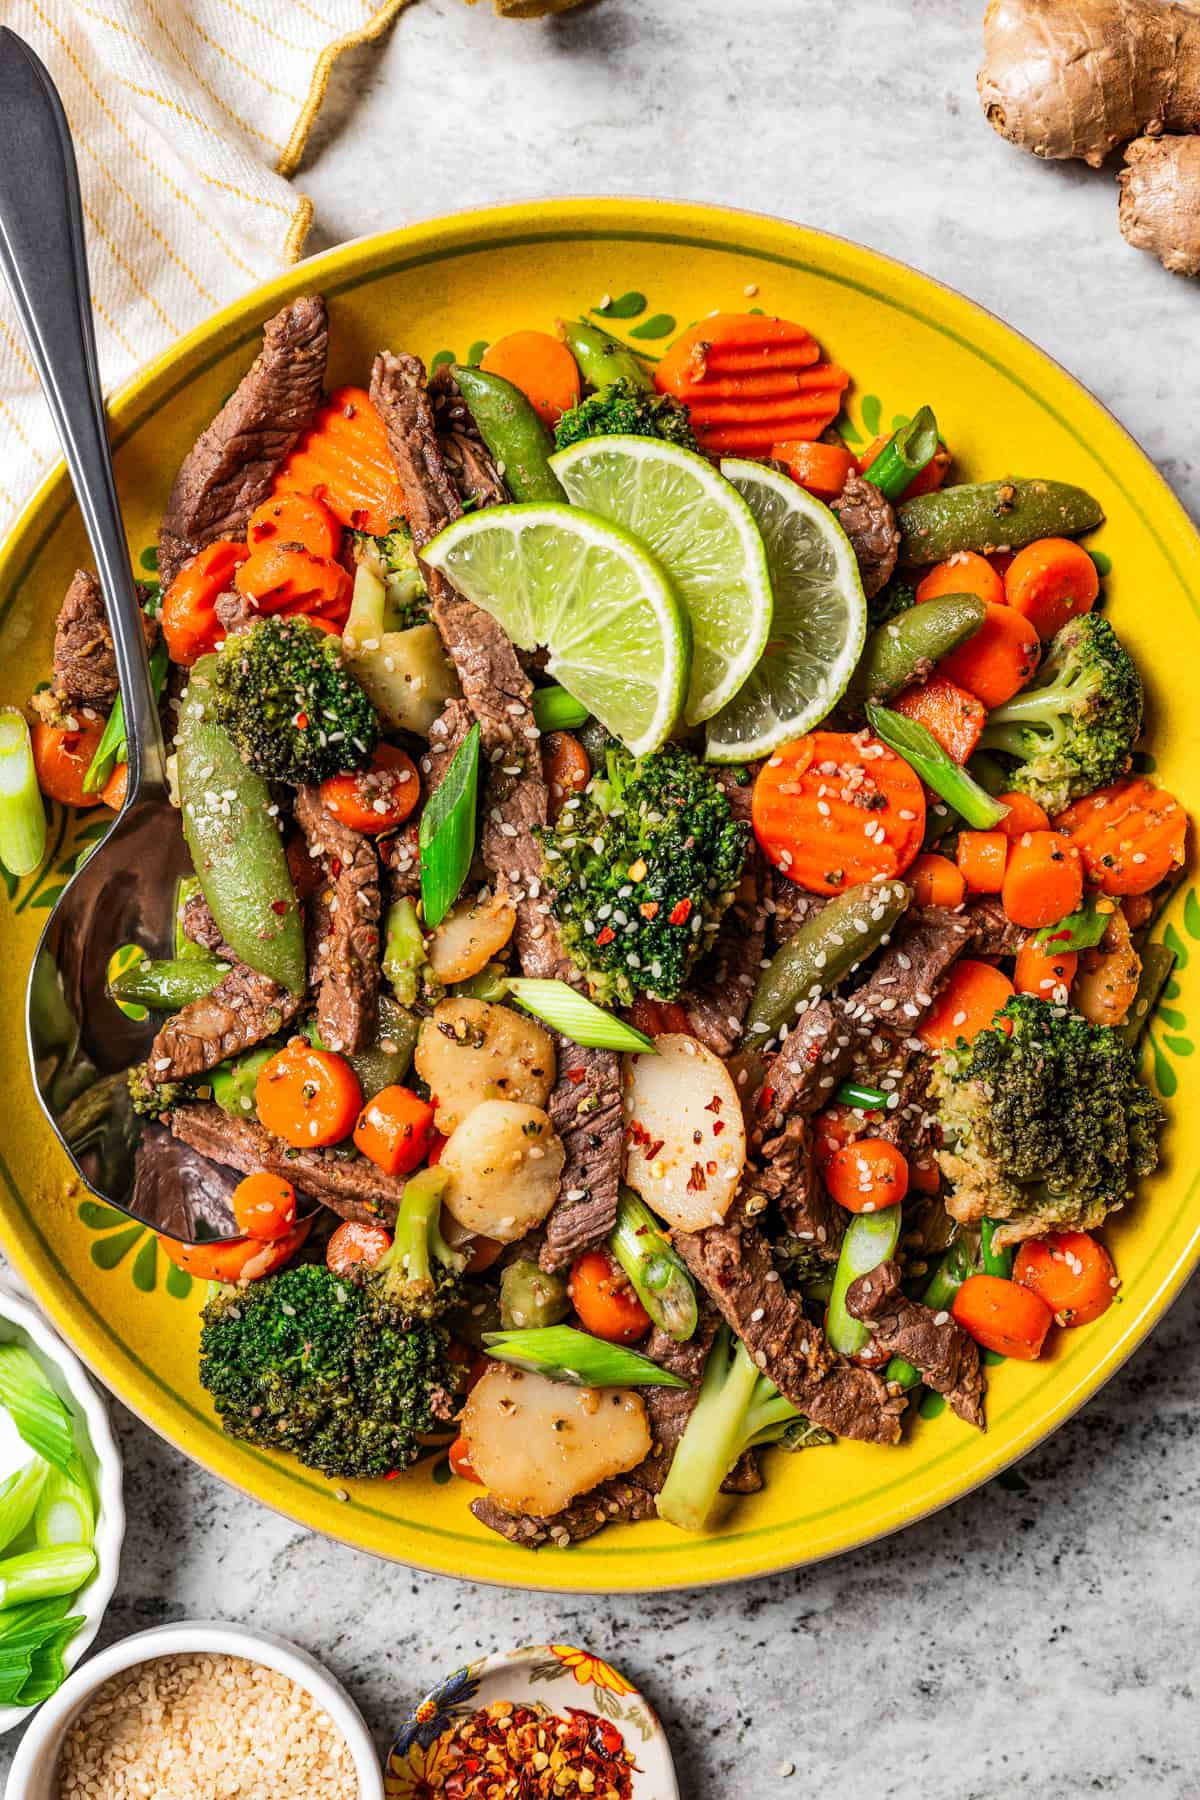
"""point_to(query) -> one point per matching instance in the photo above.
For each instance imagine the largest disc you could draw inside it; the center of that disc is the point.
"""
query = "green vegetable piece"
(65, 1511)
(659, 1276)
(579, 1019)
(44, 1574)
(910, 449)
(19, 1497)
(602, 360)
(530, 1299)
(823, 952)
(1157, 963)
(865, 1099)
(870, 1239)
(387, 1060)
(936, 767)
(404, 955)
(283, 693)
(22, 809)
(234, 1083)
(556, 710)
(491, 983)
(168, 985)
(994, 1261)
(513, 431)
(37, 1412)
(236, 847)
(564, 1354)
(112, 747)
(186, 888)
(447, 835)
(802, 1434)
(952, 1270)
(992, 515)
(1080, 930)
(626, 409)
(905, 649)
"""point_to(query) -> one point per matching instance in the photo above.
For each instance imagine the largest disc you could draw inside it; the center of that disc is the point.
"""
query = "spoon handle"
(43, 257)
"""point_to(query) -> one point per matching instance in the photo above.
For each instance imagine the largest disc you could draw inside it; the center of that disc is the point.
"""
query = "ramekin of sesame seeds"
(204, 1711)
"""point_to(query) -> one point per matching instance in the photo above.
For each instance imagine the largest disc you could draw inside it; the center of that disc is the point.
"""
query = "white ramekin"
(20, 1322)
(32, 1776)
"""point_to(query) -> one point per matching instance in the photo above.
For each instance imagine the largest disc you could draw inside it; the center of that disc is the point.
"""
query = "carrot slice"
(965, 572)
(867, 1176)
(395, 1129)
(62, 757)
(733, 344)
(717, 367)
(1003, 1316)
(1023, 815)
(954, 717)
(835, 808)
(1043, 879)
(606, 1304)
(998, 660)
(1043, 971)
(264, 1206)
(542, 367)
(974, 993)
(838, 1126)
(307, 1097)
(1130, 835)
(935, 881)
(189, 609)
(235, 1259)
(1071, 1272)
(281, 579)
(356, 1245)
(377, 798)
(343, 459)
(295, 519)
(981, 857)
(1051, 581)
(821, 468)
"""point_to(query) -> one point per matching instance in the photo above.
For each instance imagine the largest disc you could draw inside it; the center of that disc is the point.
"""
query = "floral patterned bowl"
(554, 1675)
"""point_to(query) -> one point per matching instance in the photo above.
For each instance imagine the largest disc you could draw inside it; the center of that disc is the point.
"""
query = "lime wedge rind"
(819, 625)
(704, 535)
(557, 576)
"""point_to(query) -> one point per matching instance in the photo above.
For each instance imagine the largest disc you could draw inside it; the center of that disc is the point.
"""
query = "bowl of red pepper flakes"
(544, 1722)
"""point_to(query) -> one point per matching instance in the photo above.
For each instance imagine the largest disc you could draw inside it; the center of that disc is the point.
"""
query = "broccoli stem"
(418, 1242)
(659, 1278)
(908, 451)
(922, 752)
(737, 1407)
(870, 1239)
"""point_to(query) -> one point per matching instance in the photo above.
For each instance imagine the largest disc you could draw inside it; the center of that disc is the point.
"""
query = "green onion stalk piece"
(113, 747)
(922, 752)
(22, 810)
(19, 1496)
(37, 1412)
(910, 449)
(44, 1574)
(65, 1513)
(995, 1262)
(447, 835)
(581, 1020)
(564, 1354)
(660, 1279)
(865, 1099)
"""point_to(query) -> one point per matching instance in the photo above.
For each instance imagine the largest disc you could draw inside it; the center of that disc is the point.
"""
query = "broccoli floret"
(150, 1099)
(1043, 1120)
(738, 1407)
(626, 410)
(1075, 724)
(639, 868)
(306, 1362)
(394, 559)
(890, 602)
(288, 701)
(419, 1277)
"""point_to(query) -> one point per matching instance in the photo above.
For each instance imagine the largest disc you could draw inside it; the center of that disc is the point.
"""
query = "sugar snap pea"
(904, 649)
(514, 433)
(237, 850)
(387, 1059)
(602, 360)
(234, 1082)
(823, 952)
(992, 515)
(1157, 964)
(169, 984)
(529, 1298)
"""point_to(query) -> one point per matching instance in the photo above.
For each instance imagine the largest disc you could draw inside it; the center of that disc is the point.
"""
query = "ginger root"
(1081, 78)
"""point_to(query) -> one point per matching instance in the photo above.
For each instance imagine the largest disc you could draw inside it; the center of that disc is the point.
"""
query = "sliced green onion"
(995, 1262)
(1081, 930)
(32, 1640)
(556, 710)
(47, 1670)
(909, 450)
(447, 836)
(564, 1354)
(64, 1513)
(866, 1099)
(113, 747)
(18, 1498)
(44, 1574)
(660, 1279)
(37, 1412)
(22, 810)
(870, 1239)
(922, 752)
(581, 1020)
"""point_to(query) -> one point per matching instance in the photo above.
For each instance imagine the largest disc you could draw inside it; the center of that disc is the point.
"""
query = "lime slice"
(554, 575)
(819, 625)
(703, 534)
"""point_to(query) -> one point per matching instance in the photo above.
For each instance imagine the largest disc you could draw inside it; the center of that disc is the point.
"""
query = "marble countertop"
(1039, 1638)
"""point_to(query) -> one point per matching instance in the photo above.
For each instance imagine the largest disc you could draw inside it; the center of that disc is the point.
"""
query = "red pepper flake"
(575, 1075)
(766, 1099)
(301, 721)
(697, 1180)
(718, 1127)
(680, 913)
(653, 1149)
(279, 907)
(605, 936)
(509, 1751)
(714, 1105)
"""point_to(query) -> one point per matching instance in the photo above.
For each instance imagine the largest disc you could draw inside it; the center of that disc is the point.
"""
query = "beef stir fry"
(670, 928)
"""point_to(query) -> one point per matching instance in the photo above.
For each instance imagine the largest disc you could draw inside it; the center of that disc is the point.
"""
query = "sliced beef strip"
(933, 1342)
(869, 522)
(718, 1000)
(175, 1187)
(732, 1262)
(618, 1501)
(790, 909)
(783, 1174)
(242, 1010)
(349, 983)
(350, 1186)
(235, 612)
(84, 672)
(230, 468)
(807, 1067)
(199, 927)
(899, 991)
(446, 735)
(585, 1110)
(992, 931)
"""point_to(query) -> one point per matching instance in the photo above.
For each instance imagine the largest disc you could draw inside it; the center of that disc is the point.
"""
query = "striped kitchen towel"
(189, 117)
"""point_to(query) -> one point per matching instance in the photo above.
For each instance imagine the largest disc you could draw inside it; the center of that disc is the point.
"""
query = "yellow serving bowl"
(1003, 407)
